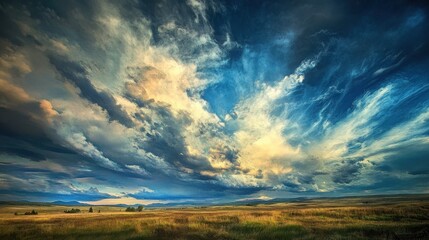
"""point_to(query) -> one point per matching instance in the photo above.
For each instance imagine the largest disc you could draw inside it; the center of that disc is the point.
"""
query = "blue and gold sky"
(212, 101)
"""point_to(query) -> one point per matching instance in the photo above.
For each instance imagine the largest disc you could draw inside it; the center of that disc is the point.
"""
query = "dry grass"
(311, 220)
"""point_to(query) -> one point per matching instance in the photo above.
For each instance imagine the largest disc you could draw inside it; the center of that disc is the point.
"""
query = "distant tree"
(99, 211)
(130, 209)
(90, 210)
(140, 208)
(31, 213)
(73, 210)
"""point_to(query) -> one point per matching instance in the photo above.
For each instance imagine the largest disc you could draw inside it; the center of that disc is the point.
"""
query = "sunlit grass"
(279, 221)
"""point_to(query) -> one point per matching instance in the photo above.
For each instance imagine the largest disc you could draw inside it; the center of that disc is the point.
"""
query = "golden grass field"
(351, 218)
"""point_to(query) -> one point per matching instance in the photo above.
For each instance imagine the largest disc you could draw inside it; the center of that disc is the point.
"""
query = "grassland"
(351, 218)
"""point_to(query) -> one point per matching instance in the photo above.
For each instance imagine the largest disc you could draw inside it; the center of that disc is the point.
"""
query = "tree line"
(91, 210)
(133, 209)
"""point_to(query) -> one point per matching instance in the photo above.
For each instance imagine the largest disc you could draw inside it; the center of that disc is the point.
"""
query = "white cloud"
(264, 150)
(137, 169)
(78, 141)
(262, 197)
(123, 200)
(357, 124)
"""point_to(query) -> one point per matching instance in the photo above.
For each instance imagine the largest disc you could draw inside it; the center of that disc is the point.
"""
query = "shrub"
(140, 208)
(130, 209)
(73, 210)
(90, 210)
(30, 213)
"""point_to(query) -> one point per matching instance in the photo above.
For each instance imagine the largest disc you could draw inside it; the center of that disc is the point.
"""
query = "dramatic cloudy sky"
(158, 101)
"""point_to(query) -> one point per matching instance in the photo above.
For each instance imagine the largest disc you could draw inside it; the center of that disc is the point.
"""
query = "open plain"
(342, 218)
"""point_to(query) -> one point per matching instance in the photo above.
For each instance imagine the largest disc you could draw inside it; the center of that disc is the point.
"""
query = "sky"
(212, 101)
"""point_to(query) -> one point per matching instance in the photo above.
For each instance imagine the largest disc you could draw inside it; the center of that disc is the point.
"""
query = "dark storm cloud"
(35, 156)
(8, 28)
(385, 183)
(19, 132)
(347, 172)
(20, 125)
(21, 182)
(315, 24)
(77, 74)
(73, 20)
(36, 196)
(23, 126)
(299, 182)
(399, 160)
(357, 49)
(168, 140)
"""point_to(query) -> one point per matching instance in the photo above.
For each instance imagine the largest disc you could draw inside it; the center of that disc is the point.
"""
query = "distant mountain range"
(70, 203)
(250, 202)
